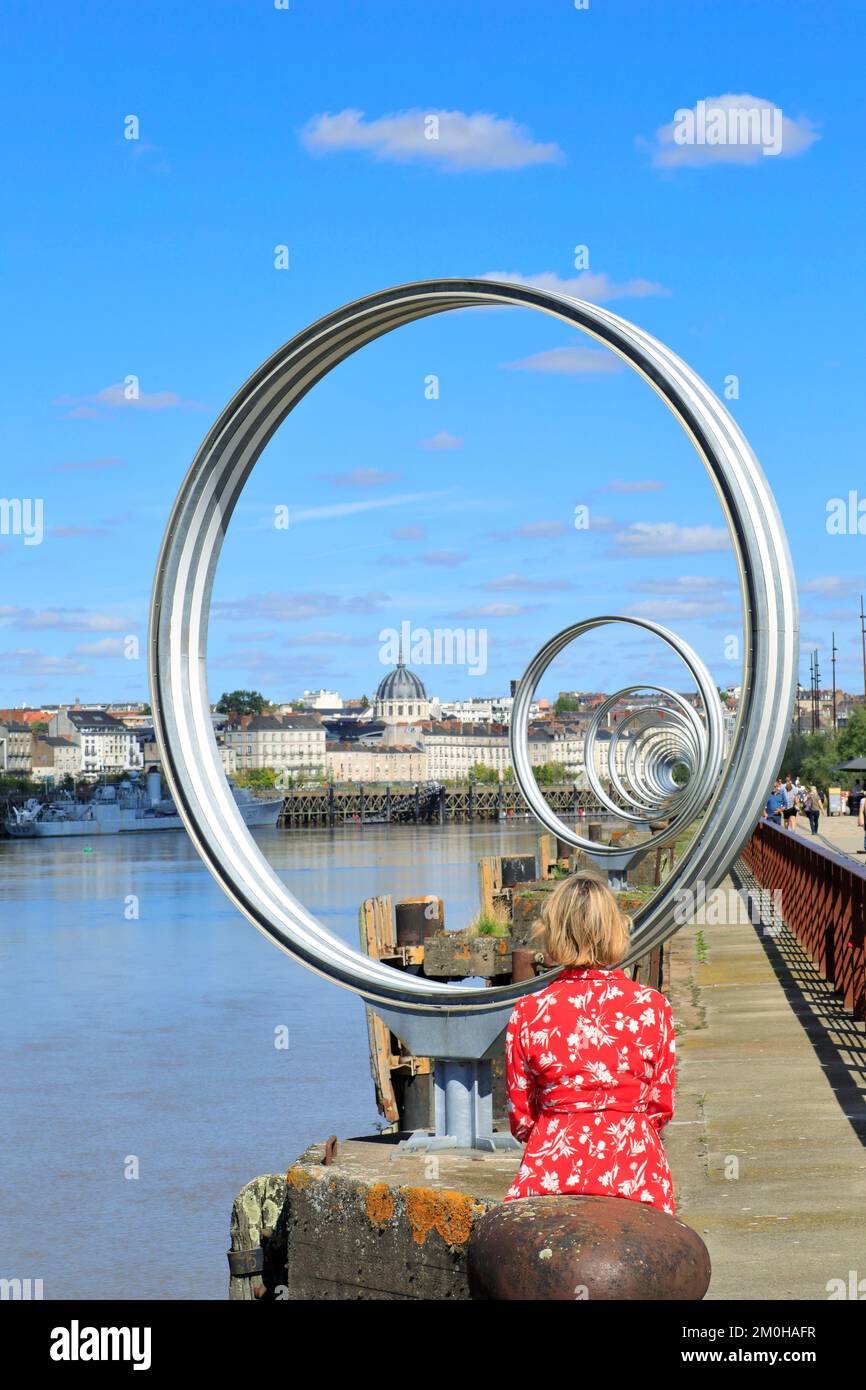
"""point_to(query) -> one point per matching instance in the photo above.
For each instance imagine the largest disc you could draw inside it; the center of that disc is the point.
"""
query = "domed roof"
(401, 684)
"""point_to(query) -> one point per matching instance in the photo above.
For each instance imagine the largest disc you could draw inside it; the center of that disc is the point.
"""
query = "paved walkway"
(840, 832)
(768, 1144)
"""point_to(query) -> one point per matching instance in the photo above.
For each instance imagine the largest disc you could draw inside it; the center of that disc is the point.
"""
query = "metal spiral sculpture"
(664, 736)
(179, 621)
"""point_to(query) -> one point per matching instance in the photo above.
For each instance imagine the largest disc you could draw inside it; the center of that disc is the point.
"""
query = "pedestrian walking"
(814, 805)
(775, 803)
(789, 809)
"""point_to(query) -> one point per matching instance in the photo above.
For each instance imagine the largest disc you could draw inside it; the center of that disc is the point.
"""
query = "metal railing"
(823, 901)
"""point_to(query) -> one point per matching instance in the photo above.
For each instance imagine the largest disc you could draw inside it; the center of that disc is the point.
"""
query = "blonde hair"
(582, 923)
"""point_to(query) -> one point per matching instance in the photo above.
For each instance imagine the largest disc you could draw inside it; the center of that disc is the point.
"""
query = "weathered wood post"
(362, 800)
(331, 811)
(257, 1259)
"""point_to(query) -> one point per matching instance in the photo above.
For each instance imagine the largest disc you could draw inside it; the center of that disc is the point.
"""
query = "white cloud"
(532, 586)
(494, 610)
(671, 608)
(597, 288)
(568, 361)
(452, 140)
(61, 619)
(324, 639)
(532, 531)
(76, 532)
(30, 662)
(338, 509)
(831, 586)
(444, 557)
(362, 477)
(443, 440)
(116, 397)
(294, 607)
(684, 584)
(638, 485)
(644, 538)
(106, 646)
(409, 533)
(730, 129)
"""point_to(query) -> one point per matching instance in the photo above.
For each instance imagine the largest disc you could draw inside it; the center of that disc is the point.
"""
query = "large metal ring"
(184, 580)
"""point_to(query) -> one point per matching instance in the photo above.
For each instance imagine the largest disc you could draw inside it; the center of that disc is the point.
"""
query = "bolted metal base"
(464, 1109)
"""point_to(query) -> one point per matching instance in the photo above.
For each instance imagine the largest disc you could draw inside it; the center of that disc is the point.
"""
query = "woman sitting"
(590, 1061)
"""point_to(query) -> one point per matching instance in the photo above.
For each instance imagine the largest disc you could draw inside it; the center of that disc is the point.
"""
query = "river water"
(142, 1087)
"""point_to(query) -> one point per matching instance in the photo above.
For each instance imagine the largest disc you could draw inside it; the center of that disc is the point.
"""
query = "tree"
(818, 764)
(567, 704)
(852, 740)
(257, 777)
(550, 774)
(480, 772)
(241, 702)
(813, 757)
(796, 752)
(39, 726)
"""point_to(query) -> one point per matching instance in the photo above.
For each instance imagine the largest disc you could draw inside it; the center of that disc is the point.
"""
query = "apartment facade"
(378, 762)
(15, 749)
(55, 757)
(105, 743)
(293, 743)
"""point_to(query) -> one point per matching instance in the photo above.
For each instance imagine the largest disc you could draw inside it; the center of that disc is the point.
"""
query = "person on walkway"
(590, 1061)
(789, 809)
(861, 821)
(775, 803)
(814, 805)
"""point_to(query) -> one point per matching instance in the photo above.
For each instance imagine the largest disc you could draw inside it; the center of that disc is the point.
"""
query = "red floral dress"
(590, 1072)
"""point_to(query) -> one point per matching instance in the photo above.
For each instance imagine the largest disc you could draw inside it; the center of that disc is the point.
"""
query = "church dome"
(400, 684)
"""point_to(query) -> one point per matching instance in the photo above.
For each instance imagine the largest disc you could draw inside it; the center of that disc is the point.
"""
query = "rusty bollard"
(594, 1248)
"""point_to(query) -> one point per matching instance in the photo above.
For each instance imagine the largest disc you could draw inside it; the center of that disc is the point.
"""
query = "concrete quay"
(767, 1142)
(766, 1148)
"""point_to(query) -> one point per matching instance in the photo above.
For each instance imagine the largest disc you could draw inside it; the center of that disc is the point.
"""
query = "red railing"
(823, 901)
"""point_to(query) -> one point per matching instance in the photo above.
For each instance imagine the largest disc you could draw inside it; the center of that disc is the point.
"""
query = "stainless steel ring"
(698, 790)
(184, 581)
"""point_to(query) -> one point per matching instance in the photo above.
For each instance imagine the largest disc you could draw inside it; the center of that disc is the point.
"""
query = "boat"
(131, 806)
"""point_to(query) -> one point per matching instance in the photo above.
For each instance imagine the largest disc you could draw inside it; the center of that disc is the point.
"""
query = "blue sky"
(260, 127)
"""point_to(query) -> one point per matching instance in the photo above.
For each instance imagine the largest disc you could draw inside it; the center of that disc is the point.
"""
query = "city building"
(105, 744)
(401, 697)
(293, 743)
(495, 710)
(15, 751)
(55, 757)
(453, 748)
(353, 761)
(323, 700)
